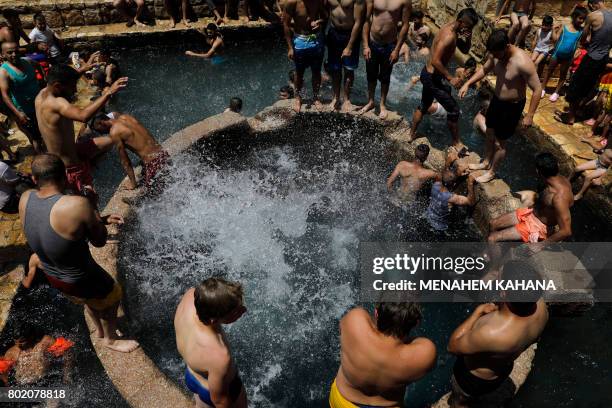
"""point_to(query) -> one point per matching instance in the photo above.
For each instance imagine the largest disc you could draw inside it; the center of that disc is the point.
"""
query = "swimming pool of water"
(233, 217)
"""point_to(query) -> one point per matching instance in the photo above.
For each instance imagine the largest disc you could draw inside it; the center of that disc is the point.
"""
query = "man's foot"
(186, 22)
(383, 113)
(480, 166)
(139, 23)
(317, 105)
(368, 107)
(172, 23)
(543, 93)
(577, 197)
(219, 21)
(347, 106)
(485, 178)
(123, 346)
(554, 97)
(335, 104)
(130, 23)
(297, 105)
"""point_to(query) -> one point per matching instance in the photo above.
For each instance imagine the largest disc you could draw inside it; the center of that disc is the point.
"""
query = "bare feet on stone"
(347, 106)
(297, 105)
(139, 23)
(172, 23)
(335, 104)
(123, 346)
(368, 107)
(384, 113)
(317, 105)
(485, 178)
(186, 22)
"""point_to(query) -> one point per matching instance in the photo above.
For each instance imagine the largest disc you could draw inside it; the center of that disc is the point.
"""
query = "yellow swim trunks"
(111, 299)
(336, 400)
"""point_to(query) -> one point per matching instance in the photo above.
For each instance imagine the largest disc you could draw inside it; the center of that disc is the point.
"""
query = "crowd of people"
(58, 204)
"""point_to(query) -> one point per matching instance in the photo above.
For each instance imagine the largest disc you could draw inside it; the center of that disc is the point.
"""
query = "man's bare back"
(413, 175)
(511, 75)
(136, 137)
(341, 13)
(375, 369)
(508, 335)
(386, 15)
(443, 46)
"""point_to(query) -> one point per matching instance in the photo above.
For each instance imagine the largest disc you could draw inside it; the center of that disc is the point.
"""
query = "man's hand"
(528, 120)
(394, 56)
(93, 58)
(486, 308)
(112, 219)
(290, 54)
(117, 85)
(463, 91)
(367, 53)
(347, 52)
(455, 81)
(22, 118)
(315, 25)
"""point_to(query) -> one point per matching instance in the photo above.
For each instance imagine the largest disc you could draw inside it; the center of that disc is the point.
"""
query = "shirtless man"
(598, 168)
(417, 38)
(379, 357)
(521, 16)
(127, 133)
(303, 24)
(125, 8)
(434, 73)
(489, 341)
(56, 116)
(413, 174)
(343, 39)
(60, 228)
(382, 42)
(552, 208)
(210, 373)
(15, 30)
(514, 71)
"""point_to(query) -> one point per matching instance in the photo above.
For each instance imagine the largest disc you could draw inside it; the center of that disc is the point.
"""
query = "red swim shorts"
(153, 167)
(529, 226)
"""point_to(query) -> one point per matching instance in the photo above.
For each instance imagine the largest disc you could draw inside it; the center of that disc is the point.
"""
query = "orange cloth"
(60, 346)
(529, 226)
(6, 365)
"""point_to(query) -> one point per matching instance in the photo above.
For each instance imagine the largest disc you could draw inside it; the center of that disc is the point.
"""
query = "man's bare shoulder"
(73, 207)
(355, 318)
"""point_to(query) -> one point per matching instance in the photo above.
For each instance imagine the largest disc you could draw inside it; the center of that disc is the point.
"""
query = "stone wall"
(70, 13)
(443, 11)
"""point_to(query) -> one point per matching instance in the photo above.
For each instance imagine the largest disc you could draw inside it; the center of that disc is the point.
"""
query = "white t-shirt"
(8, 178)
(48, 37)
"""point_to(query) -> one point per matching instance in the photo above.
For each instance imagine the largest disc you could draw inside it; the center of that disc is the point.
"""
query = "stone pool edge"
(143, 385)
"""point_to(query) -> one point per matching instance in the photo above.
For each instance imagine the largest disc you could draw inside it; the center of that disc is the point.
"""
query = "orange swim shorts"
(529, 226)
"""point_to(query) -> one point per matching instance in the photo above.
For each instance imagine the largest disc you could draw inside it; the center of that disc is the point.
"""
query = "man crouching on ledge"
(379, 357)
(210, 373)
(495, 335)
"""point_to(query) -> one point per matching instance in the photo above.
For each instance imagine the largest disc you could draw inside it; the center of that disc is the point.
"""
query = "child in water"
(214, 39)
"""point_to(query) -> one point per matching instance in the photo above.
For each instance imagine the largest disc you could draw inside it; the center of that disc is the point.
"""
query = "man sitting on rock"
(495, 335)
(60, 228)
(412, 174)
(551, 209)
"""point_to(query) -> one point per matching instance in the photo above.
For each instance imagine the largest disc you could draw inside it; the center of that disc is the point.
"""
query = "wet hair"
(547, 165)
(63, 74)
(470, 63)
(521, 270)
(235, 104)
(96, 118)
(422, 152)
(48, 168)
(10, 14)
(38, 17)
(397, 319)
(498, 40)
(547, 20)
(470, 14)
(212, 27)
(579, 11)
(288, 90)
(417, 14)
(215, 298)
(292, 75)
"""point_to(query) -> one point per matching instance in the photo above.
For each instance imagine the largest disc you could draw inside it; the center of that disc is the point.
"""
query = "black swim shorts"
(585, 79)
(434, 87)
(504, 116)
(378, 67)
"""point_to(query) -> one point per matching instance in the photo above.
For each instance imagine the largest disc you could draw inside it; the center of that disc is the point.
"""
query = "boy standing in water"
(210, 373)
